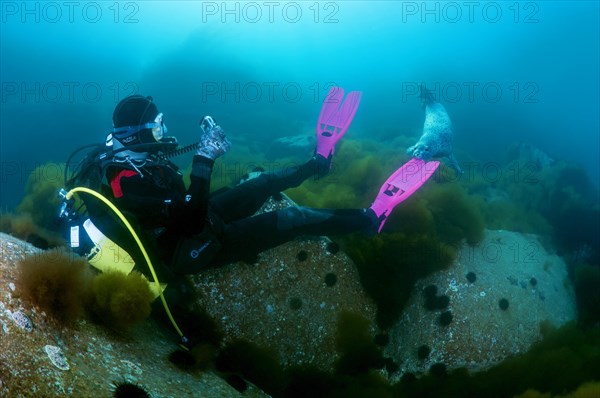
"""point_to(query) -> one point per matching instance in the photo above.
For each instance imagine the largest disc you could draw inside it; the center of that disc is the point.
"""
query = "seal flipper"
(427, 96)
(453, 163)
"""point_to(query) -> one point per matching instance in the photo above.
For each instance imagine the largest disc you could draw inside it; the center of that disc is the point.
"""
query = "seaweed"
(257, 364)
(587, 280)
(121, 300)
(390, 264)
(57, 282)
(357, 351)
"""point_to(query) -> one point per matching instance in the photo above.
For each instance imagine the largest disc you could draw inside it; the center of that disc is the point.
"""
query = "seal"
(436, 139)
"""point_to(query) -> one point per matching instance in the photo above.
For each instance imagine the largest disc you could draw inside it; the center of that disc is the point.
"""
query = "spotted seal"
(436, 140)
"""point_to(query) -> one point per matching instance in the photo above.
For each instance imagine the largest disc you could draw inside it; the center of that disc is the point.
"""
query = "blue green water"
(505, 71)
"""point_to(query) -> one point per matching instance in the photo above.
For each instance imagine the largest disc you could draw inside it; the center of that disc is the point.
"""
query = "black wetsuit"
(157, 196)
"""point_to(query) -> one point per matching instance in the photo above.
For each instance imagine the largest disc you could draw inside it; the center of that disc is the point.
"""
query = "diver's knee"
(298, 216)
(289, 218)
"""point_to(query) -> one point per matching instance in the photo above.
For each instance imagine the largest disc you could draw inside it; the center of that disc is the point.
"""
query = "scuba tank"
(90, 172)
(86, 218)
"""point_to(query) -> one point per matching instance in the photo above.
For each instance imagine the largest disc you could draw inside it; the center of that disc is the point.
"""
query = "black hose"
(109, 152)
(75, 152)
(181, 151)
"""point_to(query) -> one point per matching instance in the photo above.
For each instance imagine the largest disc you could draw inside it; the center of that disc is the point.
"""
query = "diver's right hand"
(213, 143)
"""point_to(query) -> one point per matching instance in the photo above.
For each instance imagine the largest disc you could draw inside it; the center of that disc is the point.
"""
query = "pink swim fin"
(403, 183)
(335, 118)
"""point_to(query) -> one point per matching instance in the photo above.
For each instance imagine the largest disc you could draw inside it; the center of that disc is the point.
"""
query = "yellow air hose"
(140, 245)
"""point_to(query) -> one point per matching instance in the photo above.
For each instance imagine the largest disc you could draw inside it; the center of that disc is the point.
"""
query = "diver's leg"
(246, 198)
(252, 235)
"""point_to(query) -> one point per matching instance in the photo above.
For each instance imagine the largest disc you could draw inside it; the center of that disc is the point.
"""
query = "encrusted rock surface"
(289, 300)
(506, 265)
(95, 357)
(283, 301)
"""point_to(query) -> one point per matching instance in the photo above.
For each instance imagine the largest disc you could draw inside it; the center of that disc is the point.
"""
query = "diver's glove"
(213, 142)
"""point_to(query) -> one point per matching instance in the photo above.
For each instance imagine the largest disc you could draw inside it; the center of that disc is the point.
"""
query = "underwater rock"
(291, 146)
(84, 360)
(284, 304)
(481, 334)
(526, 153)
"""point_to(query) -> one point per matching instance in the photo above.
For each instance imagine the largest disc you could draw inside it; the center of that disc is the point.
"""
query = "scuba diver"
(192, 228)
(188, 229)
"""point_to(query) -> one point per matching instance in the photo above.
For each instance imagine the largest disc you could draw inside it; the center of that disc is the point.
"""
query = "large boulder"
(291, 146)
(502, 294)
(40, 358)
(289, 300)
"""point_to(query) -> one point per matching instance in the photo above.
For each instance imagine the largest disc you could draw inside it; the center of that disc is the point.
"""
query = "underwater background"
(520, 81)
(506, 72)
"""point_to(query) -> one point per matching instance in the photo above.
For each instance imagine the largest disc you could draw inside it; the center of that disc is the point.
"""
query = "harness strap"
(115, 182)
